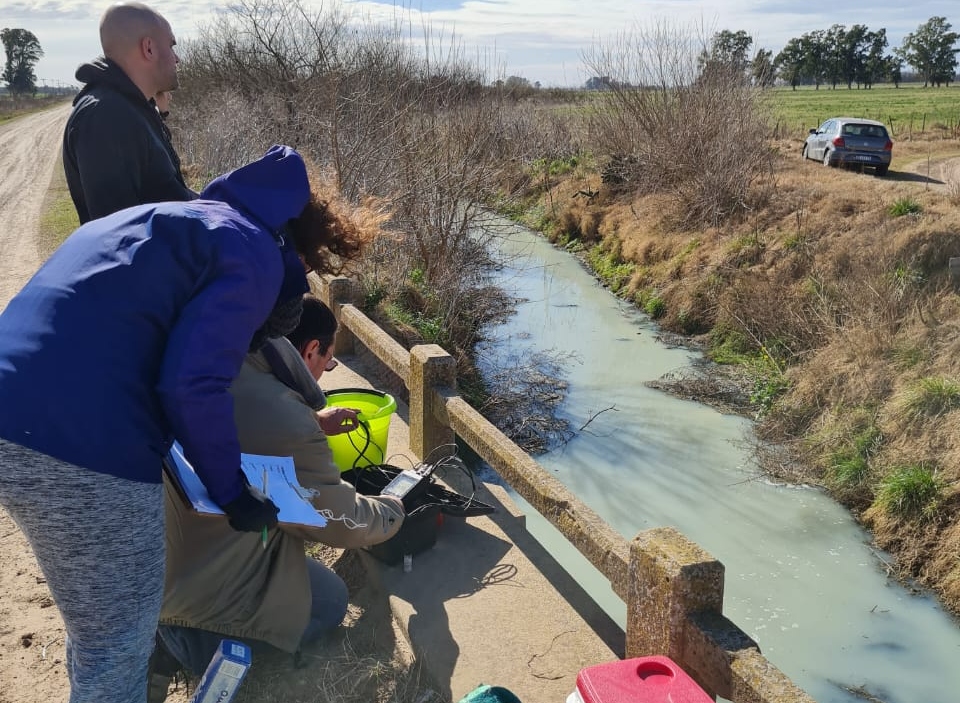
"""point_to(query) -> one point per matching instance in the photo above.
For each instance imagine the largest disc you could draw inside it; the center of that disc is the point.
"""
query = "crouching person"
(220, 582)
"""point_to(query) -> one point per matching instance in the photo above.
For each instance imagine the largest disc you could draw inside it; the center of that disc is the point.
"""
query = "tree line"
(858, 56)
(836, 56)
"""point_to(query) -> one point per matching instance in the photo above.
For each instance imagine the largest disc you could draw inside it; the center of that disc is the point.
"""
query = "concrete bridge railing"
(672, 588)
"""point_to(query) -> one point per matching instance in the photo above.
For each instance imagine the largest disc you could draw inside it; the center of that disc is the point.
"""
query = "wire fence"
(913, 125)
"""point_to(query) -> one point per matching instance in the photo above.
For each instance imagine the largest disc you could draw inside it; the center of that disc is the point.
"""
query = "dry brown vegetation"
(843, 312)
(365, 659)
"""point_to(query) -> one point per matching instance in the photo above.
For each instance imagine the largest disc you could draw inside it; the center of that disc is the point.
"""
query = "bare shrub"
(666, 125)
(221, 132)
(404, 119)
(525, 392)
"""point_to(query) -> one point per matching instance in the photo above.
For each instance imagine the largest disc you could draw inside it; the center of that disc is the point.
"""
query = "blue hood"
(272, 190)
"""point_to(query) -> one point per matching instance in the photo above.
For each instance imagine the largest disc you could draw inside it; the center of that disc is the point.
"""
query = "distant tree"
(875, 64)
(23, 51)
(894, 69)
(728, 51)
(597, 83)
(517, 86)
(516, 83)
(856, 44)
(930, 51)
(835, 54)
(789, 63)
(815, 50)
(761, 68)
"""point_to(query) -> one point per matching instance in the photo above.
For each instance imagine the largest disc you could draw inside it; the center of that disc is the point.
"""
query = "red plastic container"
(643, 680)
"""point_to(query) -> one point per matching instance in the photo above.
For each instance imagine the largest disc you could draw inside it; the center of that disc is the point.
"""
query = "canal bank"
(802, 576)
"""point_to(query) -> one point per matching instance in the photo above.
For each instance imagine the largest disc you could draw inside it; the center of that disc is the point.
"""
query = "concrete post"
(670, 579)
(430, 368)
(340, 291)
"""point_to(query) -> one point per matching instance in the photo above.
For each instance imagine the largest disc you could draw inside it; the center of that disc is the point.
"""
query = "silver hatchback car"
(850, 141)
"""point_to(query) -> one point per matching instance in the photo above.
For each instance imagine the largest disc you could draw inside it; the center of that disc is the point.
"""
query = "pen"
(263, 534)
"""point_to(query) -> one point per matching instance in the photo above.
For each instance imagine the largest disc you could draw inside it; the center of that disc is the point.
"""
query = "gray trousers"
(100, 543)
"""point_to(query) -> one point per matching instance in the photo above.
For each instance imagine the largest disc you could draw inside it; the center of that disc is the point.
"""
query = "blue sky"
(540, 40)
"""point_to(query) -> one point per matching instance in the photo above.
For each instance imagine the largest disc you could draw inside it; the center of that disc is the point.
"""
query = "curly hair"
(326, 239)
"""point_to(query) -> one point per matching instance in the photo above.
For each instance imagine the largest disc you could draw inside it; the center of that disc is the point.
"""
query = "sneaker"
(161, 670)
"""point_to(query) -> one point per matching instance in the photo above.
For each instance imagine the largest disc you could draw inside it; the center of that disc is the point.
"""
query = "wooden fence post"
(430, 368)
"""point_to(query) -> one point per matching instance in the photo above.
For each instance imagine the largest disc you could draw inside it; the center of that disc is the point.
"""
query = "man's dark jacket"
(116, 153)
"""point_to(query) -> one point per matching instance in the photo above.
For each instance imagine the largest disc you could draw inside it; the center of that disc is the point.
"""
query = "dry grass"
(365, 661)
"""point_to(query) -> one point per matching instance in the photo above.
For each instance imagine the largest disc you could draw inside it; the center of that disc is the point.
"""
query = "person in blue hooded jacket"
(128, 336)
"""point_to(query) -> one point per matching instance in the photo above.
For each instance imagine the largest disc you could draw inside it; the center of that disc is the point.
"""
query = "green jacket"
(224, 581)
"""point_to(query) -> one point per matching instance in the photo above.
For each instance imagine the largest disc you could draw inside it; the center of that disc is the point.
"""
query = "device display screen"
(401, 484)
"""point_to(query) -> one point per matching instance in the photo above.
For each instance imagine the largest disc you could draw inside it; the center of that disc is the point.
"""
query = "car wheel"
(826, 159)
(882, 170)
(803, 154)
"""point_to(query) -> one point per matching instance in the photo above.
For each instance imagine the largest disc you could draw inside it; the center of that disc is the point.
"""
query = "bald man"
(116, 153)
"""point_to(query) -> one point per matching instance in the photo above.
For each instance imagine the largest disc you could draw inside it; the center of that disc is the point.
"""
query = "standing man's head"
(140, 41)
(314, 336)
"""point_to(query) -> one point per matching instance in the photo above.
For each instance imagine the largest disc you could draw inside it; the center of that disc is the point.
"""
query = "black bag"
(370, 480)
(424, 515)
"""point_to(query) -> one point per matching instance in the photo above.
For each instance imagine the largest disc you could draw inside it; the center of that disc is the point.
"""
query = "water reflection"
(801, 577)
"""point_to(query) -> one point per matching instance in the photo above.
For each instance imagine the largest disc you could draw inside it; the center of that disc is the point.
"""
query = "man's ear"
(311, 347)
(147, 48)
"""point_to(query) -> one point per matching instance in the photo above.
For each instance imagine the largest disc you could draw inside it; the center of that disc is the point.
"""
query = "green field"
(909, 109)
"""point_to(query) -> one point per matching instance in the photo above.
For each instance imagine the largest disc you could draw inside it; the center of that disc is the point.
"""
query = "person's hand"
(395, 501)
(251, 511)
(336, 420)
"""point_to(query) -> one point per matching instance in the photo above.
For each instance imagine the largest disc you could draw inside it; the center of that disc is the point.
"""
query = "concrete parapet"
(673, 589)
(670, 577)
(430, 368)
(337, 292)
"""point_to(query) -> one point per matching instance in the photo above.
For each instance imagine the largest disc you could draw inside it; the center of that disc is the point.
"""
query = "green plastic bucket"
(367, 444)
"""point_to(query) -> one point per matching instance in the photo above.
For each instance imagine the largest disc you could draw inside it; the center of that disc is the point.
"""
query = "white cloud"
(539, 39)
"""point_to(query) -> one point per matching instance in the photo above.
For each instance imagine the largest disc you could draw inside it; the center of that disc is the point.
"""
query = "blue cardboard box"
(222, 679)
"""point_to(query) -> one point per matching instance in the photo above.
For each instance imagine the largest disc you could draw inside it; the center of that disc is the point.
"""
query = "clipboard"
(284, 490)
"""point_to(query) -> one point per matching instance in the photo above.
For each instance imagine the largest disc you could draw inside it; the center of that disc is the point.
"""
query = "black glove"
(251, 511)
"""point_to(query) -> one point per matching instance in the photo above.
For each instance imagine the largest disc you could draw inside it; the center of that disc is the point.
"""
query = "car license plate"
(861, 157)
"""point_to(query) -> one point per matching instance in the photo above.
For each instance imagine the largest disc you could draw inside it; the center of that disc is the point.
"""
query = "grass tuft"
(849, 466)
(929, 397)
(655, 307)
(913, 491)
(613, 272)
(905, 206)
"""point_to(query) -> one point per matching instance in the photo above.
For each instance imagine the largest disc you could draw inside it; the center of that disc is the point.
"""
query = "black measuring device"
(409, 485)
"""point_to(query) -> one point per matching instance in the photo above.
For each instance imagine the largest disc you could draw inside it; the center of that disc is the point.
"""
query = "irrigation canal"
(801, 576)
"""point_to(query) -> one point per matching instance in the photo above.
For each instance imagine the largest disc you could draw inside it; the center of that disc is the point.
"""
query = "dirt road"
(939, 171)
(28, 151)
(31, 632)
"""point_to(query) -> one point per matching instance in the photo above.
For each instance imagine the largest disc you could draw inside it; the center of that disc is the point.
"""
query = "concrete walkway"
(486, 604)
